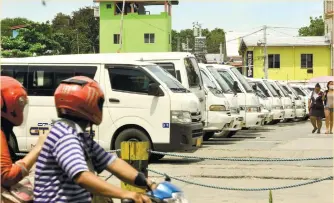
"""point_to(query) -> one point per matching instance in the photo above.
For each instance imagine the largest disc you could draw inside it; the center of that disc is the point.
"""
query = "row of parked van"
(167, 99)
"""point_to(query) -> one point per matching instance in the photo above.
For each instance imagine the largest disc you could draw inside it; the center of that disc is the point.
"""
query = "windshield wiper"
(179, 89)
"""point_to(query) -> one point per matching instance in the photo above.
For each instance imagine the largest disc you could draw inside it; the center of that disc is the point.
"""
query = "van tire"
(208, 135)
(135, 135)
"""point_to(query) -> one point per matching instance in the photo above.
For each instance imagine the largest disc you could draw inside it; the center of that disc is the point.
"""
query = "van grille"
(196, 117)
(197, 133)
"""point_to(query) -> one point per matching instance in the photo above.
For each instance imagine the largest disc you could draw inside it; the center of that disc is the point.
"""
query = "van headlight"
(176, 198)
(180, 117)
(217, 108)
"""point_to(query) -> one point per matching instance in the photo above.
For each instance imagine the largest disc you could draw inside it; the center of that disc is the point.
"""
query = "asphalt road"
(285, 140)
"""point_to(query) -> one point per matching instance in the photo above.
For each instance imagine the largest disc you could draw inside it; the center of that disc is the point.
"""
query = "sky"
(237, 18)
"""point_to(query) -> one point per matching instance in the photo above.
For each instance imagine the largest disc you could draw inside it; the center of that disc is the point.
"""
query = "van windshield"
(285, 93)
(172, 83)
(192, 72)
(299, 91)
(271, 88)
(242, 80)
(210, 84)
(226, 88)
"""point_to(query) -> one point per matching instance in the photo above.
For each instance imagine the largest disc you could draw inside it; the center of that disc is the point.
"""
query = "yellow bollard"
(136, 154)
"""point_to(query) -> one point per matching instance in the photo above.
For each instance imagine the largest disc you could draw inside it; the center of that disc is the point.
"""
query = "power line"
(244, 35)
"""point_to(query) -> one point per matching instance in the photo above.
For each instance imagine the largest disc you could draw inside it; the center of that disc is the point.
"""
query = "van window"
(19, 73)
(129, 80)
(168, 67)
(43, 80)
(263, 89)
(192, 72)
(228, 79)
(299, 92)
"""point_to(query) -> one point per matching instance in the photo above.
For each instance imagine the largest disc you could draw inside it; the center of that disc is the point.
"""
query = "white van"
(299, 103)
(286, 100)
(184, 67)
(303, 94)
(142, 102)
(274, 103)
(208, 72)
(249, 103)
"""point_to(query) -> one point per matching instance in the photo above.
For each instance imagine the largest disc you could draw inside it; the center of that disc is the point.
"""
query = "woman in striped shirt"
(65, 169)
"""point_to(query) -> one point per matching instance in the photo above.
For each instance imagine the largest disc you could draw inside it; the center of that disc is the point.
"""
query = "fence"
(137, 155)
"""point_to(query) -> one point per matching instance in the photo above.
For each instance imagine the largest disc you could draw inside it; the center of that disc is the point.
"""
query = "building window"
(306, 60)
(149, 38)
(274, 61)
(116, 38)
(108, 6)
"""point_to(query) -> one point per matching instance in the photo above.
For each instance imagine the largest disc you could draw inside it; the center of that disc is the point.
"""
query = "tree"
(7, 23)
(34, 39)
(214, 39)
(316, 27)
(87, 27)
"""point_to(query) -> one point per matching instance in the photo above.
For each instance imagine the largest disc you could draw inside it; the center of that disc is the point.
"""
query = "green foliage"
(7, 23)
(316, 27)
(66, 34)
(214, 38)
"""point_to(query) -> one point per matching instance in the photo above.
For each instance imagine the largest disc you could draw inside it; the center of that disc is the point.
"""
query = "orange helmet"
(13, 100)
(80, 97)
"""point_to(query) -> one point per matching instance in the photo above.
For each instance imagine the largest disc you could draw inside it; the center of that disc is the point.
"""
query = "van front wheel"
(134, 135)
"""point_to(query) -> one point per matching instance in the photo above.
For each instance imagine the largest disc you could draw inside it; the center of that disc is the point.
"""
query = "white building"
(329, 25)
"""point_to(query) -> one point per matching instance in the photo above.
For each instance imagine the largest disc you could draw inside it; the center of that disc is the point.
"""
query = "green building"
(142, 31)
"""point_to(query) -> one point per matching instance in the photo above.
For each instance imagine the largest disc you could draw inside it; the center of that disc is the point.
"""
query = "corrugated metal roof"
(288, 41)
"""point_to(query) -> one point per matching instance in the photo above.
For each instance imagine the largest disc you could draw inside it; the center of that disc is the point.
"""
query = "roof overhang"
(147, 2)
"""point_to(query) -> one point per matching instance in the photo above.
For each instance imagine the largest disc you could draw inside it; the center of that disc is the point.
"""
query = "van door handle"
(113, 100)
(201, 99)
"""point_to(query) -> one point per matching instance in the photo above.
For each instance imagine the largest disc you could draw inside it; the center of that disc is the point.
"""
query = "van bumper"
(278, 114)
(236, 123)
(217, 121)
(300, 113)
(183, 138)
(254, 119)
(289, 113)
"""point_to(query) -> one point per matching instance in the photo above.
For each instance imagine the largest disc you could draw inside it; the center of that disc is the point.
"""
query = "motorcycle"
(165, 192)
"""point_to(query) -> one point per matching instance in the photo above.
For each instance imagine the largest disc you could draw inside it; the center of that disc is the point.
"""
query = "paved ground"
(292, 140)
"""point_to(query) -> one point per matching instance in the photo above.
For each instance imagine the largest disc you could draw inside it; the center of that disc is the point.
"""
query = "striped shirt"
(61, 159)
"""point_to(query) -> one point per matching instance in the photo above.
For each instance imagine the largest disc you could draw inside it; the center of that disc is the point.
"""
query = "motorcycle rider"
(14, 102)
(65, 168)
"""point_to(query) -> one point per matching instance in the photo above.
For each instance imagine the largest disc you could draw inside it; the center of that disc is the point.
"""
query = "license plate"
(199, 142)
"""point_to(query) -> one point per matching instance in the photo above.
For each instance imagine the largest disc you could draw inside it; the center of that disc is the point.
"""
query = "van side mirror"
(154, 90)
(235, 85)
(254, 87)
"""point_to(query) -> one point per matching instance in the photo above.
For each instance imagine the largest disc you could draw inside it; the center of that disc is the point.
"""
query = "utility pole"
(178, 44)
(265, 52)
(121, 28)
(221, 53)
(77, 41)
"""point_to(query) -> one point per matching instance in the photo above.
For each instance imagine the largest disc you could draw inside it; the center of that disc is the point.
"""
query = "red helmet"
(80, 97)
(13, 100)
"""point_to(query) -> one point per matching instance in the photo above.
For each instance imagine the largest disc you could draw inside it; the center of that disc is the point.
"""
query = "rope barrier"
(242, 189)
(240, 159)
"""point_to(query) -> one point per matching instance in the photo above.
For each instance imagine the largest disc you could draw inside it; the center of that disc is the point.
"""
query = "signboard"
(250, 64)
